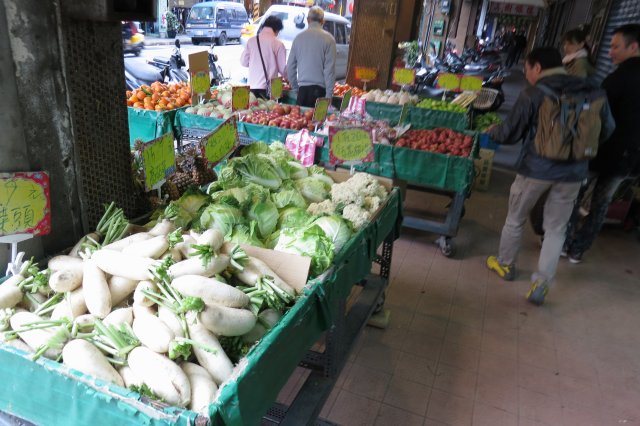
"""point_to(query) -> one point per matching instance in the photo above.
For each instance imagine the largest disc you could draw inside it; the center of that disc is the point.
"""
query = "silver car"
(294, 20)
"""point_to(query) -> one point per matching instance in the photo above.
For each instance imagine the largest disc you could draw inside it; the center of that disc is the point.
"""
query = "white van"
(217, 21)
(294, 19)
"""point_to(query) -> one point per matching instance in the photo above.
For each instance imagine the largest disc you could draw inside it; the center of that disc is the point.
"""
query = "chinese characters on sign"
(512, 9)
(240, 98)
(365, 73)
(218, 144)
(159, 160)
(353, 145)
(321, 109)
(403, 76)
(25, 206)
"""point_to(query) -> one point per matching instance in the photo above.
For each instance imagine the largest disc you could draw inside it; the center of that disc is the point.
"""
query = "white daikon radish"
(139, 310)
(88, 359)
(65, 280)
(194, 266)
(117, 263)
(37, 337)
(129, 377)
(96, 289)
(225, 321)
(164, 227)
(218, 364)
(171, 320)
(203, 388)
(85, 320)
(138, 295)
(211, 237)
(211, 291)
(185, 245)
(75, 251)
(121, 288)
(10, 293)
(119, 316)
(255, 268)
(153, 333)
(152, 248)
(72, 306)
(127, 241)
(163, 376)
(64, 262)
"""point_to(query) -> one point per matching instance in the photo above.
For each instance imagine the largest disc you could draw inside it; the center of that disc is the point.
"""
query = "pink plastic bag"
(302, 146)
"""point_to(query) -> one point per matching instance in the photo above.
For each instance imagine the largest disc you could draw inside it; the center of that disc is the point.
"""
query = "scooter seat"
(162, 59)
(141, 70)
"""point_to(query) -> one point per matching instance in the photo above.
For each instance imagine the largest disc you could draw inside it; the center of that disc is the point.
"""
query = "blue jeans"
(580, 238)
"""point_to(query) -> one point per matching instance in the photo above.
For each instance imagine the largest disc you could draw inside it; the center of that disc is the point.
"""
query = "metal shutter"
(622, 12)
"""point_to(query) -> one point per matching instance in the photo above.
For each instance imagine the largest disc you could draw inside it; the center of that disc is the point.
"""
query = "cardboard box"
(482, 166)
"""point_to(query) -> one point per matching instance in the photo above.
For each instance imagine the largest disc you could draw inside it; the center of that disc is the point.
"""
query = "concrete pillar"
(463, 24)
(35, 115)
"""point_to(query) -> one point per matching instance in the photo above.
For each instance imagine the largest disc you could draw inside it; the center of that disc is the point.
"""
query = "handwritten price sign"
(448, 81)
(218, 144)
(200, 82)
(403, 76)
(470, 82)
(159, 160)
(321, 109)
(365, 73)
(345, 100)
(239, 98)
(25, 205)
(350, 145)
(276, 88)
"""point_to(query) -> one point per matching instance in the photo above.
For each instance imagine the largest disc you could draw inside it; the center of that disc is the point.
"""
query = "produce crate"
(382, 164)
(486, 142)
(148, 125)
(443, 171)
(425, 118)
(46, 392)
(382, 111)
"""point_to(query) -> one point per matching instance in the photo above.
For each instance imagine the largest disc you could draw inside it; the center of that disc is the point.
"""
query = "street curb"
(148, 42)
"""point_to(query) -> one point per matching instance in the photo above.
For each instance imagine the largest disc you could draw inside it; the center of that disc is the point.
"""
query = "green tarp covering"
(148, 125)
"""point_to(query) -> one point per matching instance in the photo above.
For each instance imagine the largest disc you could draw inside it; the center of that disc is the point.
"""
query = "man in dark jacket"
(619, 158)
(537, 174)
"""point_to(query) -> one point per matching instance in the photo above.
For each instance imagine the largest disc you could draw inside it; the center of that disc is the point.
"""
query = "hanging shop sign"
(365, 73)
(25, 204)
(403, 76)
(158, 160)
(497, 8)
(350, 145)
(240, 98)
(220, 143)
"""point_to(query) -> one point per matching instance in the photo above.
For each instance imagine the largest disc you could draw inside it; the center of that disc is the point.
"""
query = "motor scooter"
(215, 71)
(173, 66)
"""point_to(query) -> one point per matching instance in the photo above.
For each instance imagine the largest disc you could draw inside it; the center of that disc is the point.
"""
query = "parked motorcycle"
(215, 71)
(138, 73)
(173, 67)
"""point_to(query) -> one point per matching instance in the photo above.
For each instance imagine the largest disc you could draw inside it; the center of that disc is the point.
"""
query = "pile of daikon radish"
(146, 311)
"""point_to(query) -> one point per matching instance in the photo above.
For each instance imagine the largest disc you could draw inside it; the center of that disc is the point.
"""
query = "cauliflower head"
(372, 203)
(324, 207)
(356, 215)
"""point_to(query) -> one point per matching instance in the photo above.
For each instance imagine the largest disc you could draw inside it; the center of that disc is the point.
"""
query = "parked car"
(294, 19)
(217, 21)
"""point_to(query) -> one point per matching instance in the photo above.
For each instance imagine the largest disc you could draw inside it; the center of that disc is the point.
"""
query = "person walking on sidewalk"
(265, 56)
(533, 119)
(312, 61)
(619, 158)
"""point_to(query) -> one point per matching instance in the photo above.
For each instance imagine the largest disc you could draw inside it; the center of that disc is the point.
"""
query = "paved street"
(228, 57)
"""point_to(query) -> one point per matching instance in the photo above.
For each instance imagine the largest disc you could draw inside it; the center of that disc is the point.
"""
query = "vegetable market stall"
(247, 396)
(148, 125)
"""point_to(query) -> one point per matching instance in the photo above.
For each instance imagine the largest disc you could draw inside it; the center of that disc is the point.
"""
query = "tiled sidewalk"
(465, 348)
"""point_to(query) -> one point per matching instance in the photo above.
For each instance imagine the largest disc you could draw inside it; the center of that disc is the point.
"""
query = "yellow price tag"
(346, 99)
(404, 76)
(276, 88)
(25, 206)
(448, 81)
(321, 109)
(470, 82)
(240, 98)
(200, 82)
(221, 142)
(350, 144)
(159, 160)
(365, 73)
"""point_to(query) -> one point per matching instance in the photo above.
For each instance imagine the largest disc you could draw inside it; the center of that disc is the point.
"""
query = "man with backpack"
(619, 158)
(561, 120)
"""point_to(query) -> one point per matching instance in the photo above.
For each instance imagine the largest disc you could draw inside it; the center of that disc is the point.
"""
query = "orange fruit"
(155, 96)
(149, 107)
(140, 95)
(170, 106)
(158, 108)
(138, 105)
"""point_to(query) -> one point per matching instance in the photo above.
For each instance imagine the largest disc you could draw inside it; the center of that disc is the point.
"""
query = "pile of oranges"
(340, 89)
(160, 97)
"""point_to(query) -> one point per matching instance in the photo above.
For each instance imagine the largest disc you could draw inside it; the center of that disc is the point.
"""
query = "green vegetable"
(184, 210)
(254, 169)
(255, 148)
(221, 217)
(243, 234)
(310, 241)
(484, 121)
(313, 190)
(293, 217)
(440, 105)
(288, 198)
(336, 229)
(265, 213)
